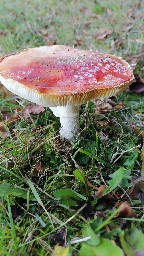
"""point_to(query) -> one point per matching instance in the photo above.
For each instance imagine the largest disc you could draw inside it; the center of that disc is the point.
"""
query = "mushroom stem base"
(69, 119)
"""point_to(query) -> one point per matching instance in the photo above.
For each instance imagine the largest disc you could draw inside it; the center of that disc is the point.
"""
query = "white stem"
(69, 119)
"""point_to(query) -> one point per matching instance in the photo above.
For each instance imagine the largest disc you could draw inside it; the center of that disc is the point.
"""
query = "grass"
(51, 190)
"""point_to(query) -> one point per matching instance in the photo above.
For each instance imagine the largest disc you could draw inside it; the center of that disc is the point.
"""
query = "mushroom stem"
(69, 119)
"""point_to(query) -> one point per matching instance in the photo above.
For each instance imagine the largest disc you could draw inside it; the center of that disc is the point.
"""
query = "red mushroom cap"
(61, 75)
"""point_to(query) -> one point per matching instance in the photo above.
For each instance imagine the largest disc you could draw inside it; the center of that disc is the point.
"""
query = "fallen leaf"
(107, 199)
(101, 190)
(133, 59)
(3, 33)
(78, 42)
(3, 130)
(103, 33)
(106, 105)
(137, 189)
(103, 123)
(120, 105)
(38, 167)
(33, 109)
(127, 27)
(125, 210)
(89, 184)
(60, 251)
(118, 42)
(4, 92)
(109, 13)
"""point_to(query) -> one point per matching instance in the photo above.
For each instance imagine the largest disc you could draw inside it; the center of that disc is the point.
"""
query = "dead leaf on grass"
(107, 105)
(38, 167)
(103, 122)
(130, 13)
(103, 33)
(109, 198)
(117, 42)
(78, 42)
(4, 92)
(137, 189)
(3, 33)
(101, 190)
(89, 184)
(3, 130)
(61, 251)
(127, 27)
(125, 210)
(133, 59)
(109, 13)
(33, 109)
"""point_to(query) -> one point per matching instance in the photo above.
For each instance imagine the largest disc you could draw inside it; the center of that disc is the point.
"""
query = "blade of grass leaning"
(13, 232)
(107, 221)
(36, 195)
(57, 228)
(12, 173)
(99, 159)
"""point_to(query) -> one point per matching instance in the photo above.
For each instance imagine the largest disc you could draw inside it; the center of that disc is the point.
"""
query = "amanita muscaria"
(62, 78)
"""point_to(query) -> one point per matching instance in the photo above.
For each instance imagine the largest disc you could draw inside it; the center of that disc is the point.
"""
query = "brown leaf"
(103, 33)
(107, 105)
(4, 92)
(78, 42)
(120, 105)
(101, 190)
(3, 130)
(39, 167)
(137, 131)
(103, 122)
(127, 27)
(33, 109)
(133, 59)
(89, 184)
(125, 210)
(117, 42)
(137, 189)
(109, 13)
(3, 33)
(108, 197)
(130, 13)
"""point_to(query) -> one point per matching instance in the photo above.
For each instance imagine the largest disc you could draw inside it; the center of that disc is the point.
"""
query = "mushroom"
(62, 78)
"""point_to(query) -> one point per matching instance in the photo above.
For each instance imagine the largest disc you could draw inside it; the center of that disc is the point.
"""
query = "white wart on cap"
(62, 78)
